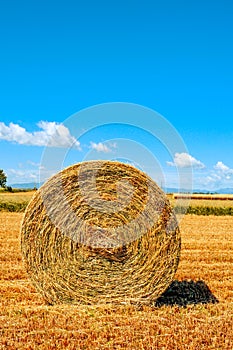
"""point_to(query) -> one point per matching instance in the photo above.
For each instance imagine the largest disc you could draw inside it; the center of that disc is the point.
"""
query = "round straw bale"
(100, 231)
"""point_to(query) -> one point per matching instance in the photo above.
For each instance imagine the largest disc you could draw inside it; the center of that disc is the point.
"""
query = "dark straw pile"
(98, 232)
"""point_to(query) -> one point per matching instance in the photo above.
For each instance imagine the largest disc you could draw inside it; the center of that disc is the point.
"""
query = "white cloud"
(223, 171)
(220, 176)
(222, 167)
(52, 134)
(102, 147)
(29, 172)
(18, 175)
(185, 160)
(32, 164)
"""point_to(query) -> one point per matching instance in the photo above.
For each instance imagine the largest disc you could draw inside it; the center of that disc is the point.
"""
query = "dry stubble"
(27, 323)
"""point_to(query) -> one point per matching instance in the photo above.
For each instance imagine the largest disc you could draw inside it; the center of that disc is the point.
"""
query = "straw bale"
(99, 232)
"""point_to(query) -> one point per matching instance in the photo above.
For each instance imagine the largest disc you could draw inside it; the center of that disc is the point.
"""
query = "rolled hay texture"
(99, 232)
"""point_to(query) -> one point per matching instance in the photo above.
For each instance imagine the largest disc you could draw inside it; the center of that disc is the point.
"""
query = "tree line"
(3, 180)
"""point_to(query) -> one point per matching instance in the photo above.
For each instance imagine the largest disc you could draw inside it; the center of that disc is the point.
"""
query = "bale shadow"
(183, 293)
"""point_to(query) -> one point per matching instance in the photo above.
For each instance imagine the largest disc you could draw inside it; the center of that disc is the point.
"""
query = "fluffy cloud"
(102, 147)
(185, 160)
(222, 167)
(223, 170)
(220, 176)
(29, 172)
(51, 134)
(22, 175)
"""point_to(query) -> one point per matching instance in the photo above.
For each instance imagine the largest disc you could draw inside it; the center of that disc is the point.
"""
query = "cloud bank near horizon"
(53, 134)
(218, 176)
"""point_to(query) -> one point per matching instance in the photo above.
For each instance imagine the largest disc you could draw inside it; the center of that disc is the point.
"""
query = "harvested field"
(206, 255)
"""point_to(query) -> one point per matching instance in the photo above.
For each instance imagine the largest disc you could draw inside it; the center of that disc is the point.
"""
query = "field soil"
(26, 322)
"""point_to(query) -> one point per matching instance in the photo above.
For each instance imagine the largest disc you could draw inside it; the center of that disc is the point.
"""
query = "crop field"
(15, 202)
(16, 196)
(203, 202)
(26, 322)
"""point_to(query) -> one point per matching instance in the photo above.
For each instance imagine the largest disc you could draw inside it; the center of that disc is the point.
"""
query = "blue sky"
(174, 57)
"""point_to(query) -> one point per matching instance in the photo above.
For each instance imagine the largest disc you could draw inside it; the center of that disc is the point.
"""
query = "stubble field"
(207, 255)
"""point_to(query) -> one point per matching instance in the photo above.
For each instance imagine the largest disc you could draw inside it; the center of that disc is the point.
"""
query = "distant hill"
(26, 185)
(225, 190)
(167, 190)
(182, 190)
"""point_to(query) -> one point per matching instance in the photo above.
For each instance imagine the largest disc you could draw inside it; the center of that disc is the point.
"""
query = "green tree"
(3, 179)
